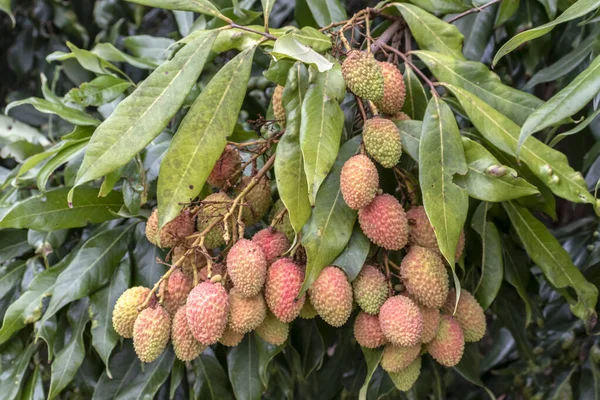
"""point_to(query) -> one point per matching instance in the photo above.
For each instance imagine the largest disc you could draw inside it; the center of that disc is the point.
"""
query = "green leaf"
(202, 136)
(51, 211)
(266, 353)
(12, 130)
(353, 257)
(34, 389)
(516, 271)
(565, 103)
(555, 263)
(106, 51)
(146, 270)
(177, 373)
(242, 366)
(69, 114)
(329, 228)
(142, 116)
(11, 379)
(372, 358)
(211, 381)
(313, 38)
(267, 6)
(99, 91)
(576, 10)
(416, 98)
(88, 60)
(441, 156)
(468, 367)
(442, 6)
(308, 342)
(410, 136)
(278, 71)
(288, 46)
(507, 9)
(578, 128)
(10, 275)
(13, 243)
(6, 7)
(199, 6)
(66, 154)
(320, 13)
(477, 29)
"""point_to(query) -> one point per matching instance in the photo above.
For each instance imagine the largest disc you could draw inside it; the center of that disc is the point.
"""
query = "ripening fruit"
(401, 116)
(185, 345)
(245, 313)
(406, 378)
(278, 109)
(401, 321)
(382, 141)
(258, 199)
(272, 242)
(363, 75)
(151, 333)
(394, 90)
(284, 281)
(174, 291)
(469, 314)
(273, 331)
(431, 322)
(331, 295)
(422, 233)
(367, 331)
(448, 344)
(384, 222)
(126, 310)
(247, 267)
(230, 338)
(308, 310)
(283, 224)
(215, 206)
(207, 312)
(173, 232)
(370, 289)
(359, 181)
(193, 260)
(396, 358)
(424, 275)
(227, 170)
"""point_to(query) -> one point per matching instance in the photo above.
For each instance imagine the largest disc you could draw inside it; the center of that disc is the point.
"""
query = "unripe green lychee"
(384, 222)
(370, 289)
(425, 277)
(273, 331)
(151, 333)
(193, 260)
(469, 314)
(174, 291)
(230, 338)
(185, 345)
(396, 358)
(126, 310)
(308, 310)
(367, 331)
(359, 181)
(431, 322)
(247, 267)
(283, 224)
(406, 378)
(422, 233)
(173, 232)
(363, 75)
(258, 199)
(448, 344)
(272, 242)
(278, 109)
(382, 141)
(331, 295)
(214, 207)
(245, 313)
(401, 321)
(207, 312)
(284, 281)
(227, 170)
(394, 90)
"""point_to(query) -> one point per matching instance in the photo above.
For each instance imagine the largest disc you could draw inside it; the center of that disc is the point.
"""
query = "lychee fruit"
(331, 295)
(173, 232)
(227, 170)
(363, 75)
(367, 331)
(370, 289)
(257, 200)
(406, 378)
(278, 109)
(230, 338)
(422, 232)
(394, 90)
(216, 269)
(194, 260)
(151, 333)
(185, 345)
(382, 141)
(207, 312)
(359, 181)
(308, 310)
(126, 310)
(174, 291)
(401, 321)
(214, 208)
(272, 242)
(424, 275)
(384, 222)
(431, 322)
(396, 358)
(273, 331)
(400, 116)
(469, 314)
(245, 313)
(284, 281)
(448, 344)
(247, 267)
(283, 223)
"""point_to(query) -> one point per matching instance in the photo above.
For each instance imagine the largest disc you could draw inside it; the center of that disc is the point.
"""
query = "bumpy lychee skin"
(230, 338)
(185, 345)
(272, 242)
(422, 233)
(273, 331)
(331, 295)
(363, 75)
(431, 323)
(367, 331)
(384, 222)
(173, 232)
(448, 344)
(245, 313)
(283, 224)
(284, 281)
(469, 314)
(425, 277)
(278, 109)
(207, 312)
(370, 289)
(247, 267)
(258, 199)
(382, 141)
(193, 260)
(308, 310)
(396, 358)
(401, 321)
(359, 181)
(215, 206)
(226, 171)
(126, 310)
(406, 378)
(401, 116)
(151, 333)
(174, 291)
(394, 90)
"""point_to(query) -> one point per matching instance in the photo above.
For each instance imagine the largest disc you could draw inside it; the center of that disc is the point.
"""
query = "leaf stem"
(411, 66)
(244, 28)
(473, 10)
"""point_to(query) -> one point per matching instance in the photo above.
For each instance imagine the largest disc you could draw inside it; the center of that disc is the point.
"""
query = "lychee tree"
(252, 205)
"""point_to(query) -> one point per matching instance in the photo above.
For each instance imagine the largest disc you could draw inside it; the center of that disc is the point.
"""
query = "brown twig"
(361, 108)
(386, 35)
(244, 28)
(411, 66)
(473, 10)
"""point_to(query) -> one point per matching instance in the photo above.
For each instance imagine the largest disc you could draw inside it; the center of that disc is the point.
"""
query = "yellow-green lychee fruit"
(448, 344)
(363, 75)
(151, 333)
(247, 267)
(272, 242)
(401, 321)
(283, 223)
(394, 90)
(207, 312)
(384, 222)
(469, 314)
(422, 233)
(194, 260)
(227, 170)
(214, 208)
(396, 358)
(406, 378)
(431, 322)
(173, 232)
(370, 289)
(257, 201)
(308, 310)
(284, 281)
(230, 338)
(367, 331)
(273, 331)
(126, 310)
(246, 313)
(278, 109)
(400, 116)
(424, 275)
(331, 295)
(382, 141)
(174, 291)
(359, 181)
(185, 345)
